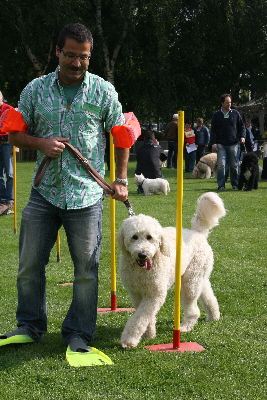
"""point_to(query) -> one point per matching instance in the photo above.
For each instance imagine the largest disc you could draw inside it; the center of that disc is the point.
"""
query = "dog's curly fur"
(147, 268)
(249, 172)
(205, 166)
(152, 185)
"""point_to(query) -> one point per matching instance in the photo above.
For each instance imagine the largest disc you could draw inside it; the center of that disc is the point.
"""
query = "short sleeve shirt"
(94, 110)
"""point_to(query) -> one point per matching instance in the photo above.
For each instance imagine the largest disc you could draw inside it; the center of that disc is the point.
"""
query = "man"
(171, 134)
(71, 105)
(226, 132)
(202, 138)
(6, 168)
(148, 158)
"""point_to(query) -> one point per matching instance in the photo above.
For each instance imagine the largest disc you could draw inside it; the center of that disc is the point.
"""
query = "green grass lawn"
(233, 366)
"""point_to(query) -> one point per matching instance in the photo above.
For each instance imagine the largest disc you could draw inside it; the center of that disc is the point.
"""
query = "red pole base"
(176, 339)
(113, 301)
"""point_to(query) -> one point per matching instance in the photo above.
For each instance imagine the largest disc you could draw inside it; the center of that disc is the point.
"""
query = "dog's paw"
(213, 317)
(150, 333)
(128, 344)
(187, 326)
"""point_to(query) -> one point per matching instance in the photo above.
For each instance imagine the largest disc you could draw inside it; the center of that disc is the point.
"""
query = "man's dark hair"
(222, 98)
(77, 32)
(149, 135)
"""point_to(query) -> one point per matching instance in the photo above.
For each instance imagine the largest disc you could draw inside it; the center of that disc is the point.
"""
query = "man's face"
(72, 71)
(187, 126)
(226, 105)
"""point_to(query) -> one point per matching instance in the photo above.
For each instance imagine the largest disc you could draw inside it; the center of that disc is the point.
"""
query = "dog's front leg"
(142, 322)
(208, 172)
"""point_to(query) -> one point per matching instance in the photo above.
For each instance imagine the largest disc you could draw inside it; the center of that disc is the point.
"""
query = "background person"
(226, 132)
(202, 138)
(171, 135)
(190, 146)
(71, 105)
(6, 168)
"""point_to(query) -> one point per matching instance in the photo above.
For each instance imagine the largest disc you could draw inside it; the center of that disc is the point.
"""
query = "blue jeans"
(200, 152)
(39, 227)
(227, 154)
(190, 159)
(172, 154)
(6, 173)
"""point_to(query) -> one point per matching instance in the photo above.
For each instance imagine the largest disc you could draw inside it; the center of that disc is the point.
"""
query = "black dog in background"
(249, 172)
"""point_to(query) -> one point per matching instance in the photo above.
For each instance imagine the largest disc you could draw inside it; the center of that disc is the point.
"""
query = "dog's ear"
(164, 246)
(120, 239)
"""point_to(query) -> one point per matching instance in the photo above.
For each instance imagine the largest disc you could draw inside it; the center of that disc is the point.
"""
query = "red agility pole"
(177, 345)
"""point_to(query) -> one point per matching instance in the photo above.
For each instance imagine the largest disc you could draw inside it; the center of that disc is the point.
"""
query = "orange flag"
(12, 121)
(126, 135)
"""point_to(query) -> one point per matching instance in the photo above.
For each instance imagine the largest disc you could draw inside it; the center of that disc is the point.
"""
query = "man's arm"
(52, 147)
(122, 157)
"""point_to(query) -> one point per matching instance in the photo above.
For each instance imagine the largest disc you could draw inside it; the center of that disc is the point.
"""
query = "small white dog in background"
(147, 268)
(205, 166)
(151, 186)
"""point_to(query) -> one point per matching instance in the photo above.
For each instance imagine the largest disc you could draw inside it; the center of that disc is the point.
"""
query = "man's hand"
(53, 147)
(121, 191)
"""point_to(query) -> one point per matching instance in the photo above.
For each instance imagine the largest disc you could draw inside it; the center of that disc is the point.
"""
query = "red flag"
(126, 135)
(12, 121)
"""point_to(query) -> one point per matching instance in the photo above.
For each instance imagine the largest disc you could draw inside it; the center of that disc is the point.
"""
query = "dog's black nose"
(142, 256)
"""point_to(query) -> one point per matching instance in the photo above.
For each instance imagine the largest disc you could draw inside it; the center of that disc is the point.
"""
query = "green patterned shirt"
(94, 110)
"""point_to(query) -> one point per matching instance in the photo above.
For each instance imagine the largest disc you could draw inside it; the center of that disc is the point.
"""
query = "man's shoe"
(221, 188)
(234, 188)
(10, 204)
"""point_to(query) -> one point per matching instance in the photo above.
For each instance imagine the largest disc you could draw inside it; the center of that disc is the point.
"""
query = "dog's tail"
(210, 209)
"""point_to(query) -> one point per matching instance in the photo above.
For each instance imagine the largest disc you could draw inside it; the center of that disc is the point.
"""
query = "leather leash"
(85, 163)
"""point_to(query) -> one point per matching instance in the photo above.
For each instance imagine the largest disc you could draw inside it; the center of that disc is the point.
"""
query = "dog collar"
(143, 182)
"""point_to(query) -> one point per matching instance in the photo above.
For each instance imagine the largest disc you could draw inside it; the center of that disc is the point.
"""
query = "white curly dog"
(147, 268)
(151, 186)
(205, 166)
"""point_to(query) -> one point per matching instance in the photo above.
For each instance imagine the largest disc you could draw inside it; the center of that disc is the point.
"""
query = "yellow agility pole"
(58, 247)
(113, 297)
(176, 345)
(14, 152)
(179, 230)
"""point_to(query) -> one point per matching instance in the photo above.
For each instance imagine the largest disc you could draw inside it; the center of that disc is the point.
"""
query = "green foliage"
(172, 54)
(232, 367)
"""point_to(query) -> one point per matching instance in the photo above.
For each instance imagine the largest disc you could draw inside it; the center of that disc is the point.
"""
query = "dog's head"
(196, 172)
(138, 179)
(142, 237)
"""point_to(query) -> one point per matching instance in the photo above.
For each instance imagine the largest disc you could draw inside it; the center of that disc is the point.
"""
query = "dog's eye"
(149, 237)
(135, 237)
